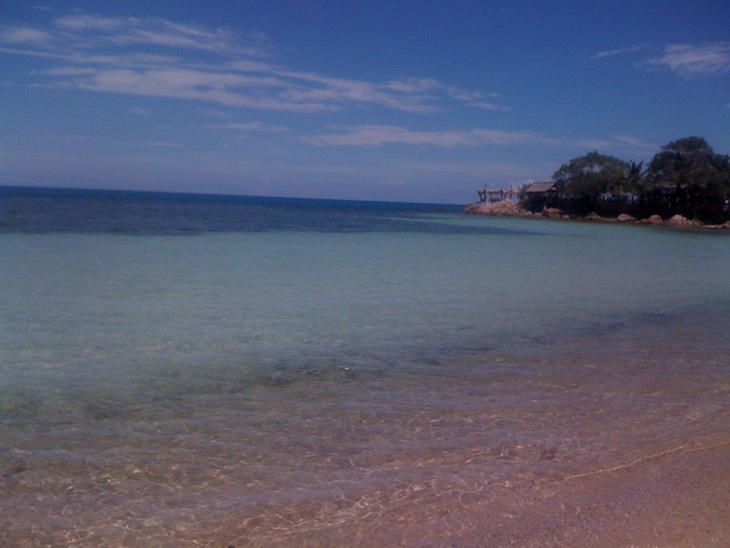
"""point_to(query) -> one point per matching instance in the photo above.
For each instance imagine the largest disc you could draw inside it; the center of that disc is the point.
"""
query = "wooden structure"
(541, 188)
(541, 195)
(489, 195)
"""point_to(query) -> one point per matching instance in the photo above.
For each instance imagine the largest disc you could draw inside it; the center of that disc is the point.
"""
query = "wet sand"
(678, 498)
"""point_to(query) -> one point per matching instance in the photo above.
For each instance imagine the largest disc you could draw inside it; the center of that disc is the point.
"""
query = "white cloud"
(87, 31)
(250, 126)
(217, 87)
(375, 135)
(25, 36)
(476, 99)
(160, 144)
(70, 71)
(160, 58)
(79, 23)
(690, 60)
(618, 51)
(380, 135)
(154, 144)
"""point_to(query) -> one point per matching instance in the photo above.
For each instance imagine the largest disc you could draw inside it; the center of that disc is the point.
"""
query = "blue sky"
(387, 100)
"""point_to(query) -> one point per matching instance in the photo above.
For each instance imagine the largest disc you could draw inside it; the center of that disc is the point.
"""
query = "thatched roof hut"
(542, 187)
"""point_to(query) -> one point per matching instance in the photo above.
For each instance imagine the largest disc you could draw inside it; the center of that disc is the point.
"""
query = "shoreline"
(636, 455)
(508, 208)
(645, 505)
(673, 491)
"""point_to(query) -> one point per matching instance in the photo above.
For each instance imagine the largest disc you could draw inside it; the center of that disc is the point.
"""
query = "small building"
(545, 188)
(539, 195)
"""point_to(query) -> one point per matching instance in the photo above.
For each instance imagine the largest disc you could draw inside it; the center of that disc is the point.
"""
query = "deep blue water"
(43, 210)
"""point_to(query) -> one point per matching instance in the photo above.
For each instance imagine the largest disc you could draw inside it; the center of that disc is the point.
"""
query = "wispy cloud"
(375, 135)
(687, 60)
(25, 36)
(382, 135)
(156, 144)
(693, 60)
(160, 58)
(250, 127)
(618, 51)
(92, 31)
(635, 144)
(477, 99)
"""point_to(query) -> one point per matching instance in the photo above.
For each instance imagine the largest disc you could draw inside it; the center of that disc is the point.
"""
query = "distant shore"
(509, 208)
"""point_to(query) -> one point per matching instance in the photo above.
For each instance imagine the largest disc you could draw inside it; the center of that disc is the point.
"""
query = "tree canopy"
(685, 177)
(690, 162)
(591, 175)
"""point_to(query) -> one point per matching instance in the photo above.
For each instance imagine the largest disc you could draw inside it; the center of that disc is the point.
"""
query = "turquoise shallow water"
(180, 370)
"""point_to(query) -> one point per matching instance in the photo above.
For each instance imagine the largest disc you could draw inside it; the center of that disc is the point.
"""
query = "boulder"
(681, 221)
(654, 220)
(552, 213)
(625, 218)
(472, 208)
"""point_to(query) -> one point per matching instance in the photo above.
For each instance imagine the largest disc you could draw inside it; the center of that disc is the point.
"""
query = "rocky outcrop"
(553, 213)
(503, 208)
(508, 208)
(597, 218)
(653, 220)
(680, 221)
(723, 225)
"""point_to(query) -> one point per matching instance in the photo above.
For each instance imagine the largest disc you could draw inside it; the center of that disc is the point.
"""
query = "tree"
(685, 177)
(587, 177)
(690, 163)
(634, 179)
(689, 178)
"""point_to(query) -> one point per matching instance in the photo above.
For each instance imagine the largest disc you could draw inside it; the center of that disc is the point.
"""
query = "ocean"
(198, 370)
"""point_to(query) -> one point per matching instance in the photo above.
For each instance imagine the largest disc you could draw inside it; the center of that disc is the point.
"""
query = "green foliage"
(685, 177)
(591, 175)
(634, 179)
(690, 162)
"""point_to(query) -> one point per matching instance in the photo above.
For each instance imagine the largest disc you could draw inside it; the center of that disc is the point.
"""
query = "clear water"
(199, 370)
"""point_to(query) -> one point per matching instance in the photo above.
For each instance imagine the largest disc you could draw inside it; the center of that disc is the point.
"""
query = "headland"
(510, 208)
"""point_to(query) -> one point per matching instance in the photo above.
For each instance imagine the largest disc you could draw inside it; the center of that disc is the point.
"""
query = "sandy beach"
(677, 499)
